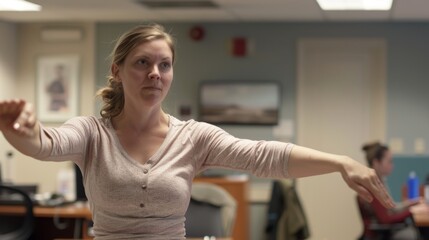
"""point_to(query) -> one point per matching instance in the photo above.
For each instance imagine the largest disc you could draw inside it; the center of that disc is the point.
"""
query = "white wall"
(8, 52)
(30, 47)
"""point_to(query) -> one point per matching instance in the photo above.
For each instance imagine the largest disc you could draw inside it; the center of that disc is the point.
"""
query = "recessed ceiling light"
(366, 5)
(18, 5)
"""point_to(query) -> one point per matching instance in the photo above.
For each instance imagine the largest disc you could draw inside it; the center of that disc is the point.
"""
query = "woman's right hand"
(17, 116)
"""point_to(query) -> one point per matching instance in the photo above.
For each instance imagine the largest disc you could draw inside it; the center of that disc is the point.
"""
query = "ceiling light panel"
(18, 5)
(365, 5)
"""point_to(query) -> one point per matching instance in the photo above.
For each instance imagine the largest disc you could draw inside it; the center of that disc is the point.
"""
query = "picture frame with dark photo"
(57, 95)
(239, 102)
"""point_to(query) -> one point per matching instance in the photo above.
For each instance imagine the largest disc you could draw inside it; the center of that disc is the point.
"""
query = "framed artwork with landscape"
(57, 87)
(239, 102)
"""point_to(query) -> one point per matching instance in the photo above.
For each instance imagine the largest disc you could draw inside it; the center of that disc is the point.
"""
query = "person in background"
(379, 158)
(138, 162)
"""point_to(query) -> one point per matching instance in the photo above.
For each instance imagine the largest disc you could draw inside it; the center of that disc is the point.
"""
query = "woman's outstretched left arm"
(305, 162)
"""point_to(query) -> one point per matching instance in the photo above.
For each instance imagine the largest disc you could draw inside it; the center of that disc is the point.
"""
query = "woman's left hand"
(365, 182)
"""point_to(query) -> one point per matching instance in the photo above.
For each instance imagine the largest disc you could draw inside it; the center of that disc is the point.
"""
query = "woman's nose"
(154, 73)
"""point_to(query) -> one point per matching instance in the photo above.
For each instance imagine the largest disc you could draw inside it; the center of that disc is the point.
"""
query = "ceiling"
(226, 10)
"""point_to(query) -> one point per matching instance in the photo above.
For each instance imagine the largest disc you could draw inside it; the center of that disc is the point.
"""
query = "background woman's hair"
(374, 152)
(113, 94)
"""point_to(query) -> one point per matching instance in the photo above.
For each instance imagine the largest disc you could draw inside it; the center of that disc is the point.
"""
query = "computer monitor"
(80, 189)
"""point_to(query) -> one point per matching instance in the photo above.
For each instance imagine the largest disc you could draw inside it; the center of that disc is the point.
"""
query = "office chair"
(375, 231)
(211, 212)
(16, 226)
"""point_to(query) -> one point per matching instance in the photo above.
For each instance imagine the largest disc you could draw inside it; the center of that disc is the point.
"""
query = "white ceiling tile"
(411, 10)
(229, 10)
(286, 10)
(357, 15)
(200, 15)
(256, 2)
(85, 4)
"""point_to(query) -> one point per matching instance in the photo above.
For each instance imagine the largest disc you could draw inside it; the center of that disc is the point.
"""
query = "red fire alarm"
(197, 33)
(239, 47)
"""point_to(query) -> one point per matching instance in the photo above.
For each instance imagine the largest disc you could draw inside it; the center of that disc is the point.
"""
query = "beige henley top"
(130, 200)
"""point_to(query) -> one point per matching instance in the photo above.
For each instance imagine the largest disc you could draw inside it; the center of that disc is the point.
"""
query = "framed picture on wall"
(239, 102)
(57, 95)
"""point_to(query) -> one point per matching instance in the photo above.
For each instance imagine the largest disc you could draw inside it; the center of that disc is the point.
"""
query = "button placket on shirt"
(145, 180)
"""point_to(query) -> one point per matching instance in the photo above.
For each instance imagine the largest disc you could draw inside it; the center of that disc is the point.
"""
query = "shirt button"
(144, 186)
(142, 205)
(145, 171)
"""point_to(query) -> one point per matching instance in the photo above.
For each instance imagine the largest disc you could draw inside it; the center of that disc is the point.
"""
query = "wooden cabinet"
(237, 187)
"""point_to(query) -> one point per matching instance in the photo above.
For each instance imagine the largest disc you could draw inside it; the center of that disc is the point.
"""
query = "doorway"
(340, 105)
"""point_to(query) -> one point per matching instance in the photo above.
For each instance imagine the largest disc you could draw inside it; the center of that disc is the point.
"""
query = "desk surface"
(79, 212)
(236, 186)
(76, 210)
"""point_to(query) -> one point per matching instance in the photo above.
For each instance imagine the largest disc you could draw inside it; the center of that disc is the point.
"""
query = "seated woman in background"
(379, 158)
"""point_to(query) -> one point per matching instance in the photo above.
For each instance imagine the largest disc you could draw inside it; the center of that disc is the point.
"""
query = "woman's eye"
(165, 66)
(142, 62)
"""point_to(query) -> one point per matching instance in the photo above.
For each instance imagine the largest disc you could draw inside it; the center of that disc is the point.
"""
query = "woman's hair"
(113, 94)
(374, 152)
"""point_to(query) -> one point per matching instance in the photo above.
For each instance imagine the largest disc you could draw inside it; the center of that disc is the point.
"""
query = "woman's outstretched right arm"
(19, 125)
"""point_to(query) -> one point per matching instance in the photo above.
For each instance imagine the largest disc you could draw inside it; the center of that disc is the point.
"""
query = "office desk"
(77, 214)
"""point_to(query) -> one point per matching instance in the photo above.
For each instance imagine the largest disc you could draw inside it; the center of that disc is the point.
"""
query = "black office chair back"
(203, 219)
(16, 226)
(211, 212)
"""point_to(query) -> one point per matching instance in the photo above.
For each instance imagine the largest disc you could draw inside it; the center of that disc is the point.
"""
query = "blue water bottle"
(413, 186)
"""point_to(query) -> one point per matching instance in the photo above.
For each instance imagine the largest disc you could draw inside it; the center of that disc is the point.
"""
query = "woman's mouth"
(152, 88)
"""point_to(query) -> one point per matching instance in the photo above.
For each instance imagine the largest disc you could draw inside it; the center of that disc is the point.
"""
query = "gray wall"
(274, 58)
(408, 83)
(30, 47)
(8, 56)
(210, 60)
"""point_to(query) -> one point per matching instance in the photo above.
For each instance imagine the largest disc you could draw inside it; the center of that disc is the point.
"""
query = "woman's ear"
(114, 69)
(375, 163)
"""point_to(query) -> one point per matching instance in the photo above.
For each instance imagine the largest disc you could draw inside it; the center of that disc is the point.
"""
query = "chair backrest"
(211, 212)
(20, 224)
(366, 212)
(368, 216)
(203, 219)
(372, 228)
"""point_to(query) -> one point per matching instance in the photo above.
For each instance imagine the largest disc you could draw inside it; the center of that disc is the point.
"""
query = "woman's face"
(385, 165)
(146, 73)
